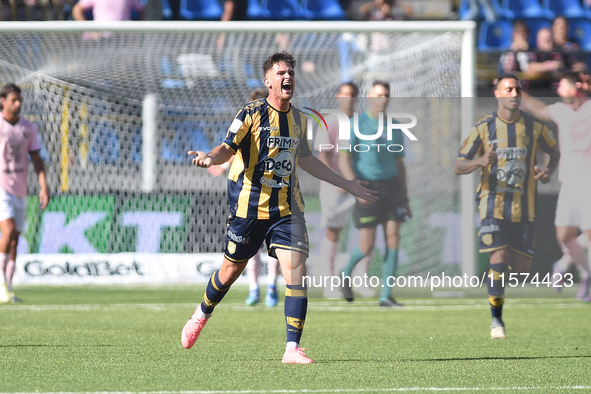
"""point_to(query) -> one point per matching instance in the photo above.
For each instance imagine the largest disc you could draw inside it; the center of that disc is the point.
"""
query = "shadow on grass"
(48, 345)
(454, 359)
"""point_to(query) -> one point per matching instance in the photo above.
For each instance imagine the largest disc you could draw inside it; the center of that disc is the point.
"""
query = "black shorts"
(497, 234)
(244, 237)
(389, 206)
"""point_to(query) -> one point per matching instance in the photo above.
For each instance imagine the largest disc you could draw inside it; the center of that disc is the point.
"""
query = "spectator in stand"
(107, 10)
(517, 58)
(386, 10)
(562, 42)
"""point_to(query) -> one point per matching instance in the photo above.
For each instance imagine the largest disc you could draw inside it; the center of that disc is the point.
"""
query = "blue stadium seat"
(255, 11)
(166, 10)
(187, 136)
(104, 144)
(464, 9)
(201, 10)
(587, 9)
(568, 8)
(284, 9)
(580, 30)
(534, 25)
(495, 36)
(324, 9)
(524, 9)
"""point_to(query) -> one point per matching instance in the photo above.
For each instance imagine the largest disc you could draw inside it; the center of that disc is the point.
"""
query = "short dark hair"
(521, 23)
(384, 84)
(258, 93)
(506, 76)
(6, 90)
(9, 88)
(353, 86)
(572, 77)
(278, 57)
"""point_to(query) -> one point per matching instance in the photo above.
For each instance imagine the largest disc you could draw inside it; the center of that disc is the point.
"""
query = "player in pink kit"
(18, 139)
(573, 210)
(107, 10)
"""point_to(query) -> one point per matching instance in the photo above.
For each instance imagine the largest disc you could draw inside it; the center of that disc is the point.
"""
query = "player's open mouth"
(286, 87)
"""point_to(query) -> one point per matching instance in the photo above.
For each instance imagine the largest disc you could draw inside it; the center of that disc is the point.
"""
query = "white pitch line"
(311, 391)
(319, 306)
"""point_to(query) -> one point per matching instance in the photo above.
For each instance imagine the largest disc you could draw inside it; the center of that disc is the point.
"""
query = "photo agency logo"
(377, 139)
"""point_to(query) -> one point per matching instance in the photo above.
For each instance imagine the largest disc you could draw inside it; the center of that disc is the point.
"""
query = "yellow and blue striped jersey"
(507, 189)
(262, 183)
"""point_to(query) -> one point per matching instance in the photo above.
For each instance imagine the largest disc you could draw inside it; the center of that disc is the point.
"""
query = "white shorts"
(573, 208)
(13, 207)
(336, 206)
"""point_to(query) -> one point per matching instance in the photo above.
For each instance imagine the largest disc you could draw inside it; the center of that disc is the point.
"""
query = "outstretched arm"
(40, 170)
(535, 106)
(319, 170)
(218, 155)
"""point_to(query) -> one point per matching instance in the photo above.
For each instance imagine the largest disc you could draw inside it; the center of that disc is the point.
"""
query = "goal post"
(117, 109)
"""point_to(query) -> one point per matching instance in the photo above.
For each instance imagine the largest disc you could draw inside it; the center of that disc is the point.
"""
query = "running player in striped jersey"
(504, 145)
(269, 139)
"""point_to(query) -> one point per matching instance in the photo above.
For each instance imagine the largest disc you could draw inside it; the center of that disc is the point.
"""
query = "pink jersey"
(111, 10)
(16, 142)
(329, 137)
(574, 136)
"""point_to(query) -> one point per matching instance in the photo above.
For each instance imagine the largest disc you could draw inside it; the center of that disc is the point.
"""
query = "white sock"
(199, 314)
(291, 345)
(574, 249)
(253, 270)
(10, 267)
(272, 268)
(4, 257)
(563, 264)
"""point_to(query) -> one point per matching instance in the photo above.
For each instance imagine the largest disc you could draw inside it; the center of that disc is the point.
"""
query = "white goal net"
(85, 87)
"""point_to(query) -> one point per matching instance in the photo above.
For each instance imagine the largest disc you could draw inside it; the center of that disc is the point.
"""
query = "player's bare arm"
(345, 165)
(218, 155)
(403, 185)
(535, 106)
(319, 170)
(545, 174)
(463, 167)
(40, 170)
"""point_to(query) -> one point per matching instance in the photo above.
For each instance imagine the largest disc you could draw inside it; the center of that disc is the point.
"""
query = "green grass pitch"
(127, 339)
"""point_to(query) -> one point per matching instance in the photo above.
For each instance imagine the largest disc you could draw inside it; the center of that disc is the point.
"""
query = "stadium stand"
(200, 10)
(324, 9)
(524, 9)
(568, 8)
(495, 36)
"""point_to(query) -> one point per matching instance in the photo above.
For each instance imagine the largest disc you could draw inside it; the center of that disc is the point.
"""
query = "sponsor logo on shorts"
(238, 238)
(491, 228)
